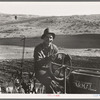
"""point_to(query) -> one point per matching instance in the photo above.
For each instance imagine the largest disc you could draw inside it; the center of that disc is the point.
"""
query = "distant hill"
(31, 26)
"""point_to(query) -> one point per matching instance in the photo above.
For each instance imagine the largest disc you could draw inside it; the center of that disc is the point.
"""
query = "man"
(43, 54)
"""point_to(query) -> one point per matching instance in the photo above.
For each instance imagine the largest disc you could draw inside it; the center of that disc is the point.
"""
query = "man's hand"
(51, 57)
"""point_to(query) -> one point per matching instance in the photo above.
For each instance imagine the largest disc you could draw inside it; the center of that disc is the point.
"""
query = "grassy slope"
(31, 26)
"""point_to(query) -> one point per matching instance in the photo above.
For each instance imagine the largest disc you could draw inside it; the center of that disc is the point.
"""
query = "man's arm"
(40, 59)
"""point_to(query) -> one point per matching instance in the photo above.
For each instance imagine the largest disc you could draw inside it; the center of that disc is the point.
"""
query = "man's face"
(48, 39)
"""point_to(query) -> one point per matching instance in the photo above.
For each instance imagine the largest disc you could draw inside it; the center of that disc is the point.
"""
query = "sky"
(50, 8)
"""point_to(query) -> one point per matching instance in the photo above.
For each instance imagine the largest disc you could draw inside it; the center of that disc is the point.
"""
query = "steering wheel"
(60, 66)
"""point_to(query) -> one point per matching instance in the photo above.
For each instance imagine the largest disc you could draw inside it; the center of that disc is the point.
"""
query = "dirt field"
(9, 67)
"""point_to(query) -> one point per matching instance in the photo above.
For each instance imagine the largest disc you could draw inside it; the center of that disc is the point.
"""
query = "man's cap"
(46, 32)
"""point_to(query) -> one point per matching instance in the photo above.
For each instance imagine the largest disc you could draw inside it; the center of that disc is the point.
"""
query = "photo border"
(96, 95)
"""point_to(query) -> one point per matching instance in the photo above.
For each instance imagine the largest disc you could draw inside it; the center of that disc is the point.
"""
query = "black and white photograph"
(50, 48)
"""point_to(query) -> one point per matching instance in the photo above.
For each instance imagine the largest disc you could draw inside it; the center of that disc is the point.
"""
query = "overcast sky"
(50, 8)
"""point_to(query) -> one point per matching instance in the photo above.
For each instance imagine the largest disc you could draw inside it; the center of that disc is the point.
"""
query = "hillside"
(30, 25)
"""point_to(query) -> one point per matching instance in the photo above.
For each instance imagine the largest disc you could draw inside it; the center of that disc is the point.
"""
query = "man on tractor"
(43, 55)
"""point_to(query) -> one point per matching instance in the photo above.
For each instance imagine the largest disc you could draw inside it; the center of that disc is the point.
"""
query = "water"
(65, 41)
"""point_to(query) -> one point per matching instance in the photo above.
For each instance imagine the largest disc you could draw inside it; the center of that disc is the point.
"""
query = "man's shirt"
(41, 54)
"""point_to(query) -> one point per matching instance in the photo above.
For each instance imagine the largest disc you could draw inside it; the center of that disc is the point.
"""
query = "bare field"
(15, 52)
